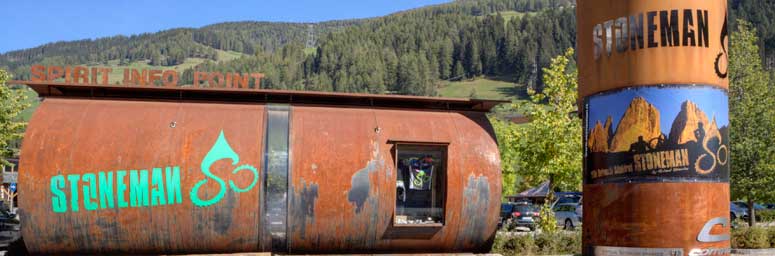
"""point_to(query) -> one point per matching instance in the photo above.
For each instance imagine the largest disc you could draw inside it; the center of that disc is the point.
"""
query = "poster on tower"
(667, 133)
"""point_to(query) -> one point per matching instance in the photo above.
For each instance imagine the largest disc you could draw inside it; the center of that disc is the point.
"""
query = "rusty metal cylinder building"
(653, 95)
(115, 169)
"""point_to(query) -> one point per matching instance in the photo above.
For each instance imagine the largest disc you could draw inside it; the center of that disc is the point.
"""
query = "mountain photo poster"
(657, 134)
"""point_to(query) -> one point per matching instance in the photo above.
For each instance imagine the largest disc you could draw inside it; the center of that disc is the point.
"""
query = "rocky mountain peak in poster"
(687, 122)
(640, 121)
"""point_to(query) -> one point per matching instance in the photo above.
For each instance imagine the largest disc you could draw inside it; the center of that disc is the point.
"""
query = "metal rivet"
(173, 124)
(377, 130)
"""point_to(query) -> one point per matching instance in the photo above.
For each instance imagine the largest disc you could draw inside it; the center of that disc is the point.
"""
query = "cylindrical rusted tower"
(653, 90)
(180, 170)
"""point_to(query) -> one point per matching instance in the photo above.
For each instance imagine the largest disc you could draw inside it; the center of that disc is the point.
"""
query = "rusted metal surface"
(341, 191)
(654, 215)
(343, 181)
(84, 136)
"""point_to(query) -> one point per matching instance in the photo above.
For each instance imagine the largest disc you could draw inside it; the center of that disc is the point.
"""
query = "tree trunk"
(751, 213)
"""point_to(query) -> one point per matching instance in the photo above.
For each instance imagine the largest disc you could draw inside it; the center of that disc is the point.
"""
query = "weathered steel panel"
(68, 137)
(341, 192)
(654, 215)
(344, 180)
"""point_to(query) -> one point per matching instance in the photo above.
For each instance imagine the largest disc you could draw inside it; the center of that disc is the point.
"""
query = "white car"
(567, 216)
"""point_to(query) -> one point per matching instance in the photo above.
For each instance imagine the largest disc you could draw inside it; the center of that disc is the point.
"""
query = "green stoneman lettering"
(138, 188)
(106, 190)
(73, 178)
(157, 192)
(58, 200)
(173, 185)
(121, 189)
(89, 191)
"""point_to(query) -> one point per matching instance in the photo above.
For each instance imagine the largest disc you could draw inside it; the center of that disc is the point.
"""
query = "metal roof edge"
(73, 90)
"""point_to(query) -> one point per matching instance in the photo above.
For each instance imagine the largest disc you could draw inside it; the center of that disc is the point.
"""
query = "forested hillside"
(410, 52)
(169, 47)
(762, 15)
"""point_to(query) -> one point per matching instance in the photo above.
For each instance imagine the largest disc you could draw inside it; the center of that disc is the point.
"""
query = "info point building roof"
(247, 95)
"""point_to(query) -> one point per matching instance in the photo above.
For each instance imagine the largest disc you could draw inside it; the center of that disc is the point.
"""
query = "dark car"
(519, 215)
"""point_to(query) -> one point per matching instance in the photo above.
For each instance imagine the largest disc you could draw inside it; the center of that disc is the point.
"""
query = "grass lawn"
(509, 15)
(32, 99)
(485, 89)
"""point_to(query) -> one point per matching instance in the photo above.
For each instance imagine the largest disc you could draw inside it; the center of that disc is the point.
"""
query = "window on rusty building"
(420, 184)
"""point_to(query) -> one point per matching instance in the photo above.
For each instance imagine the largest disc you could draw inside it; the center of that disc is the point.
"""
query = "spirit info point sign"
(142, 77)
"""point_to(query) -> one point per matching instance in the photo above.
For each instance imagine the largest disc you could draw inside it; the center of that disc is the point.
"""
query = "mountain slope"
(169, 47)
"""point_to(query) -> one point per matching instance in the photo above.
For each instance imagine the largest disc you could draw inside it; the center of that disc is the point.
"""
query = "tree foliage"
(549, 147)
(14, 101)
(752, 120)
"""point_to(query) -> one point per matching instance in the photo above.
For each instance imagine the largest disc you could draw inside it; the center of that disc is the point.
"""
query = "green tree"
(548, 222)
(752, 121)
(14, 101)
(549, 147)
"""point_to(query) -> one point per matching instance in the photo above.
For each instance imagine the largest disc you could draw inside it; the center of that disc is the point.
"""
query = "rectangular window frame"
(443, 180)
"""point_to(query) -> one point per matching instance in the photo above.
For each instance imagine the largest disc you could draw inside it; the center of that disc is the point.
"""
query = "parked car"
(567, 197)
(519, 215)
(567, 216)
(770, 206)
(735, 211)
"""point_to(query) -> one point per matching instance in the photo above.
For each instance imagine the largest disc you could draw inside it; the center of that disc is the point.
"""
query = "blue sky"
(28, 24)
(667, 100)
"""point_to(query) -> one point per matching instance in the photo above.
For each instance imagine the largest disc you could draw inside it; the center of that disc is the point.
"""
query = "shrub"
(513, 244)
(538, 244)
(765, 216)
(750, 238)
(771, 236)
(571, 243)
(548, 243)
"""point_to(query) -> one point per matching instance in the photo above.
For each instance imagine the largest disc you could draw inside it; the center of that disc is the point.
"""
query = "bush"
(513, 244)
(538, 244)
(771, 236)
(750, 238)
(765, 216)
